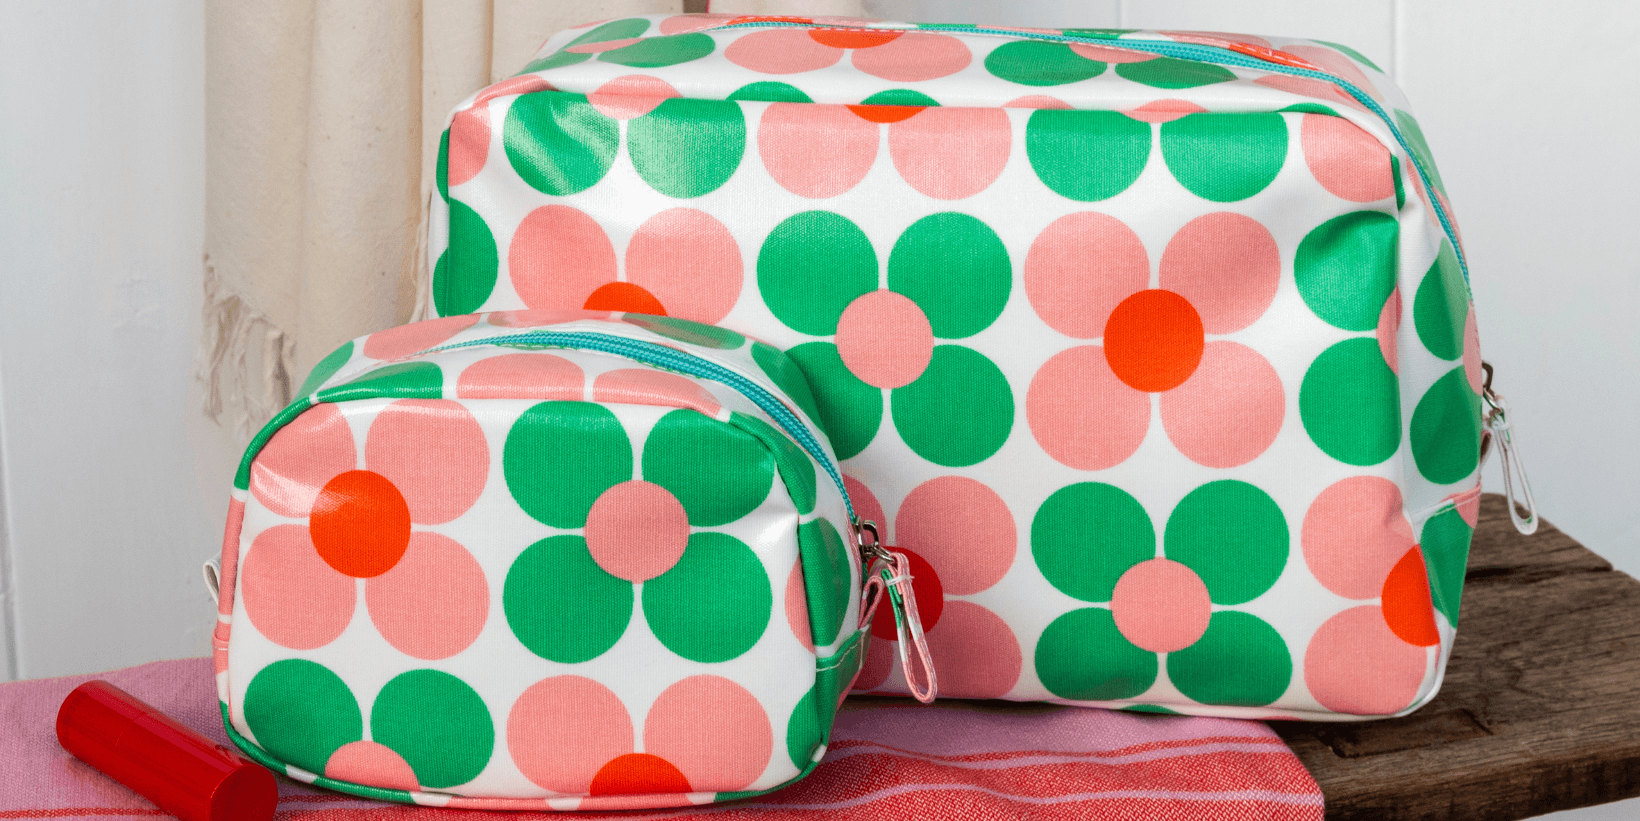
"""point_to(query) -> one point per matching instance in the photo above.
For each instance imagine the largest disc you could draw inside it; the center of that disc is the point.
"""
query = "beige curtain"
(323, 119)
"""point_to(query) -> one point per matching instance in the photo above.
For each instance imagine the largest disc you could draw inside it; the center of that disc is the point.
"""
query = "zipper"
(1253, 58)
(1497, 431)
(651, 353)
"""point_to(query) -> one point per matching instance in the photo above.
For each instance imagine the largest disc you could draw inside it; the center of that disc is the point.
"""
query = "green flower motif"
(948, 278)
(1231, 540)
(566, 603)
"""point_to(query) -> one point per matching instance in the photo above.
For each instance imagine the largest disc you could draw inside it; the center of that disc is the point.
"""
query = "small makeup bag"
(1153, 350)
(542, 560)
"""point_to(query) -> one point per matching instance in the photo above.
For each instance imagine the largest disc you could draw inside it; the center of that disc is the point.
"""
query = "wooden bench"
(1540, 710)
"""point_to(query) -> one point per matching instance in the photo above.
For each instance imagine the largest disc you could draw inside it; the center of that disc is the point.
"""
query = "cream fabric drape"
(322, 120)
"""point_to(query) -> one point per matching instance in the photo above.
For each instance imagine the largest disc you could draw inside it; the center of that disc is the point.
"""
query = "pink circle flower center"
(885, 339)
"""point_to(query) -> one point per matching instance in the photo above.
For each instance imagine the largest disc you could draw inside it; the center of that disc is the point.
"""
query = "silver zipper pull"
(888, 575)
(1497, 431)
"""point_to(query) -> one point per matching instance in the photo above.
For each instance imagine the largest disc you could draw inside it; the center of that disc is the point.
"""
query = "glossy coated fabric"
(1164, 372)
(517, 576)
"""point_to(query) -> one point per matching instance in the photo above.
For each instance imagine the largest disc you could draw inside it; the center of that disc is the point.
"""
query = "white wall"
(112, 488)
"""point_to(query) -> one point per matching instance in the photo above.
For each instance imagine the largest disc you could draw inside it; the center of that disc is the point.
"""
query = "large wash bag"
(1154, 350)
(541, 560)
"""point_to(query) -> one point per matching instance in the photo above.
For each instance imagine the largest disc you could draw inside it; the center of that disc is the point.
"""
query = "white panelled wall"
(113, 487)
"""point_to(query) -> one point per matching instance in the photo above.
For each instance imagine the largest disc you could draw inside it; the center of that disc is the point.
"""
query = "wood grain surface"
(1540, 709)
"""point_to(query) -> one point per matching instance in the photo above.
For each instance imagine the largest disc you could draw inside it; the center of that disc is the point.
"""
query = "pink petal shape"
(371, 764)
(647, 386)
(689, 261)
(781, 51)
(816, 151)
(535, 375)
(563, 728)
(978, 654)
(1229, 411)
(914, 57)
(1389, 324)
(1161, 605)
(1346, 160)
(300, 458)
(1110, 54)
(415, 337)
(435, 453)
(1080, 268)
(710, 707)
(1354, 533)
(1164, 111)
(632, 95)
(558, 257)
(1081, 414)
(293, 598)
(637, 530)
(433, 603)
(951, 153)
(962, 528)
(1356, 664)
(885, 339)
(1227, 265)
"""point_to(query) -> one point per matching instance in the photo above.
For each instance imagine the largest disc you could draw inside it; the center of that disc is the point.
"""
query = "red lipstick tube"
(183, 772)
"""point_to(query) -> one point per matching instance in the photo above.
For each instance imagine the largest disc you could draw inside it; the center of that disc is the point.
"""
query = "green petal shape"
(1038, 63)
(1446, 430)
(441, 166)
(1353, 55)
(555, 60)
(718, 472)
(561, 456)
(1345, 268)
(1400, 187)
(1233, 535)
(659, 52)
(714, 604)
(437, 723)
(403, 380)
(959, 412)
(901, 96)
(811, 266)
(784, 372)
(803, 731)
(1309, 108)
(558, 143)
(300, 712)
(850, 410)
(466, 272)
(1171, 73)
(1350, 403)
(769, 91)
(957, 271)
(1414, 135)
(1445, 545)
(1086, 156)
(1241, 661)
(1083, 656)
(686, 331)
(326, 368)
(1086, 535)
(1224, 157)
(623, 29)
(795, 465)
(687, 147)
(561, 605)
(825, 577)
(1441, 308)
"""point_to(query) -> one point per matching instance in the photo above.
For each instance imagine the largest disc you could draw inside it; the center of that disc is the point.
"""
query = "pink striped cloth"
(974, 761)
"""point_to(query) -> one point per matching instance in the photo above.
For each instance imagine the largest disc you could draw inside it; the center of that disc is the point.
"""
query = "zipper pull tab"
(1498, 431)
(889, 572)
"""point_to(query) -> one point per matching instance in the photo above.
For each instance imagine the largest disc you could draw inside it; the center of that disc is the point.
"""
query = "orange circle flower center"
(1154, 340)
